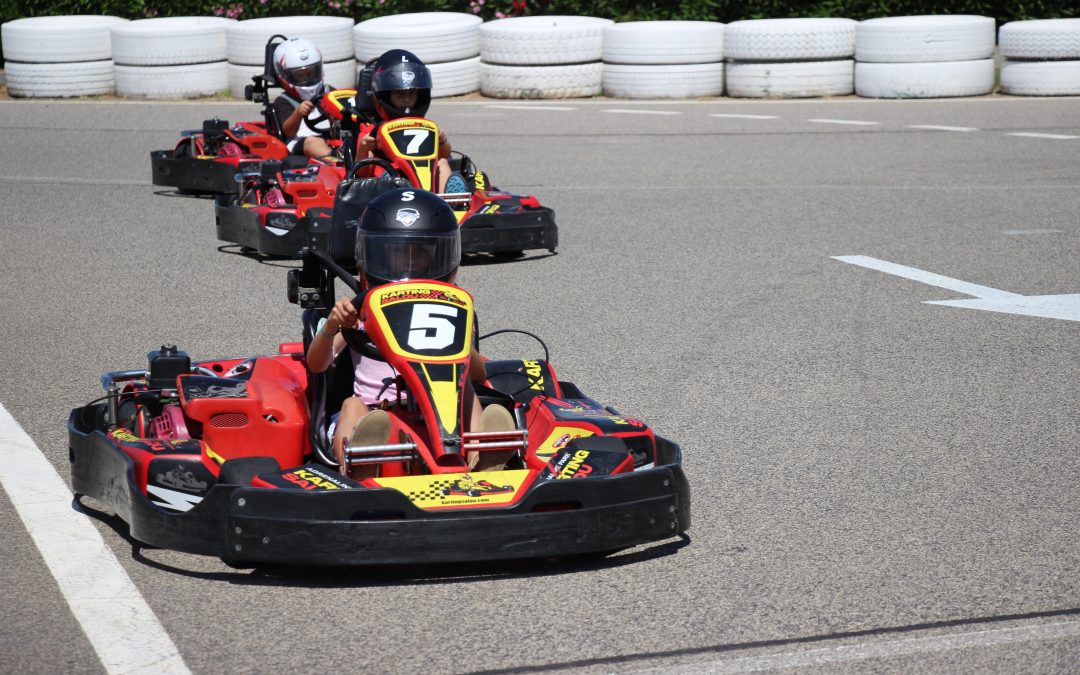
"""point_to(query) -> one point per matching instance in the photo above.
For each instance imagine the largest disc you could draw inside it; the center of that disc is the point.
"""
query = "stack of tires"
(790, 58)
(59, 55)
(536, 57)
(663, 59)
(924, 56)
(1042, 58)
(175, 57)
(447, 42)
(245, 44)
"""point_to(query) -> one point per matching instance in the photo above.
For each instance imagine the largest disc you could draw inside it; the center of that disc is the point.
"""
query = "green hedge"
(620, 10)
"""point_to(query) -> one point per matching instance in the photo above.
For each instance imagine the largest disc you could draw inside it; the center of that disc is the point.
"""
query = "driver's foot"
(456, 183)
(493, 418)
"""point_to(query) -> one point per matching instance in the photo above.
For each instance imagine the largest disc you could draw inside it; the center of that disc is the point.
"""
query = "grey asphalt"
(864, 467)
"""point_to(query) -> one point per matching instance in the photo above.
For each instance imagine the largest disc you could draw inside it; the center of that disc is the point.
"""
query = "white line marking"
(925, 277)
(859, 123)
(641, 112)
(806, 659)
(1053, 137)
(123, 630)
(506, 106)
(1023, 232)
(745, 117)
(52, 180)
(1064, 307)
(938, 127)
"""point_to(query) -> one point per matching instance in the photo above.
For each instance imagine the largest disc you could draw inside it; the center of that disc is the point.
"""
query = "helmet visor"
(397, 257)
(305, 76)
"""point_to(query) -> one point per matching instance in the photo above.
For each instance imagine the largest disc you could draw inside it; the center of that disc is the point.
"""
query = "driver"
(427, 246)
(298, 66)
(401, 87)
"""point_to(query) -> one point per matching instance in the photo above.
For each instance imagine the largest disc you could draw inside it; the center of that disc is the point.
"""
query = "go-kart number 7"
(429, 318)
(418, 137)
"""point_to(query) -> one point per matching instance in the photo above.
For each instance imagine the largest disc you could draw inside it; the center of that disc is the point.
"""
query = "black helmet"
(407, 233)
(399, 70)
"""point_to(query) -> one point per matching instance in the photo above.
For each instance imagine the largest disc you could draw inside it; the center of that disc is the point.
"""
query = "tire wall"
(546, 57)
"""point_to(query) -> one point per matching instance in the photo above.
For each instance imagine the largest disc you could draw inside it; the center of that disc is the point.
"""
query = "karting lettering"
(310, 480)
(574, 468)
(535, 373)
(393, 296)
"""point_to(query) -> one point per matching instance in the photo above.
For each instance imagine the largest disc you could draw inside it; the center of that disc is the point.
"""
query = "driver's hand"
(305, 108)
(342, 315)
(367, 144)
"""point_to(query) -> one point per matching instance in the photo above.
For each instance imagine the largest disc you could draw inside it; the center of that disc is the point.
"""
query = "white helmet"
(298, 64)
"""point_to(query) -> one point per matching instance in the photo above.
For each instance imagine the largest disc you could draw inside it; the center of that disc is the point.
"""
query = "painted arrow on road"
(1064, 307)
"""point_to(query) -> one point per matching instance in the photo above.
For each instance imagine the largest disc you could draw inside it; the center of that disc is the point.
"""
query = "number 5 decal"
(428, 318)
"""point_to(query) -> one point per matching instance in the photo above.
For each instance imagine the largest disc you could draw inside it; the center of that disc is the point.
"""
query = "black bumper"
(191, 174)
(381, 526)
(510, 232)
(238, 225)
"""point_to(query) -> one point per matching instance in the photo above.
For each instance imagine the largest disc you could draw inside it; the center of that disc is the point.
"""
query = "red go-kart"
(229, 457)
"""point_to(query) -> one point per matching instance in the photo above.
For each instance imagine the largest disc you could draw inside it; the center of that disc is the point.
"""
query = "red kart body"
(207, 161)
(211, 458)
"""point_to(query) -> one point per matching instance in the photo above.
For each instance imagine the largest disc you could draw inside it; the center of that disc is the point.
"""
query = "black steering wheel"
(373, 161)
(320, 115)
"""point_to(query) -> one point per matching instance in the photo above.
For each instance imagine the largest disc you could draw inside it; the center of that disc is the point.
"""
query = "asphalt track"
(879, 483)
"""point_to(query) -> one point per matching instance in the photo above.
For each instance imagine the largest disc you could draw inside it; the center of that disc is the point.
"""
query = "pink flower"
(218, 11)
(499, 15)
(475, 9)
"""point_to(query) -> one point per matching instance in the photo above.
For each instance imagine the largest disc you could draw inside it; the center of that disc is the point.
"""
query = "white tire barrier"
(788, 40)
(171, 41)
(339, 75)
(1040, 40)
(799, 79)
(245, 41)
(924, 80)
(58, 39)
(1040, 78)
(542, 40)
(83, 78)
(59, 55)
(435, 37)
(455, 77)
(682, 80)
(654, 43)
(539, 82)
(918, 39)
(183, 81)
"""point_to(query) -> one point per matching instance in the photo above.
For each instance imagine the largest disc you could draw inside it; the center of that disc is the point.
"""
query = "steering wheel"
(373, 161)
(320, 115)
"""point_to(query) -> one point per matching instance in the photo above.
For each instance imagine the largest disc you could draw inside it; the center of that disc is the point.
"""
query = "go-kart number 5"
(429, 328)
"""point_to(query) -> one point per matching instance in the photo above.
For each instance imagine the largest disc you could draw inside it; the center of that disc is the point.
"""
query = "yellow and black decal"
(492, 488)
(415, 140)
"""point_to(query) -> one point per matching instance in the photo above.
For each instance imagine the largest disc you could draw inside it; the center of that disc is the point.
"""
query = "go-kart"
(263, 216)
(230, 457)
(492, 221)
(207, 160)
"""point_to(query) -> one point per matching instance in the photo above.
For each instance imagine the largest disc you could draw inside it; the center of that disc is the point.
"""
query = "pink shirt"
(369, 379)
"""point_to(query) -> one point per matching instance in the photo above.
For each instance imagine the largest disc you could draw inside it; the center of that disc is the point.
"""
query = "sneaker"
(493, 418)
(372, 429)
(456, 183)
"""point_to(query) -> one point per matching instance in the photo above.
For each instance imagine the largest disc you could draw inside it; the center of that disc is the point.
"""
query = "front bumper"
(510, 232)
(191, 174)
(381, 526)
(239, 225)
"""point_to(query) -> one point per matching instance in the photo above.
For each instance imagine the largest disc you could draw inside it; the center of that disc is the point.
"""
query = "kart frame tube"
(381, 526)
